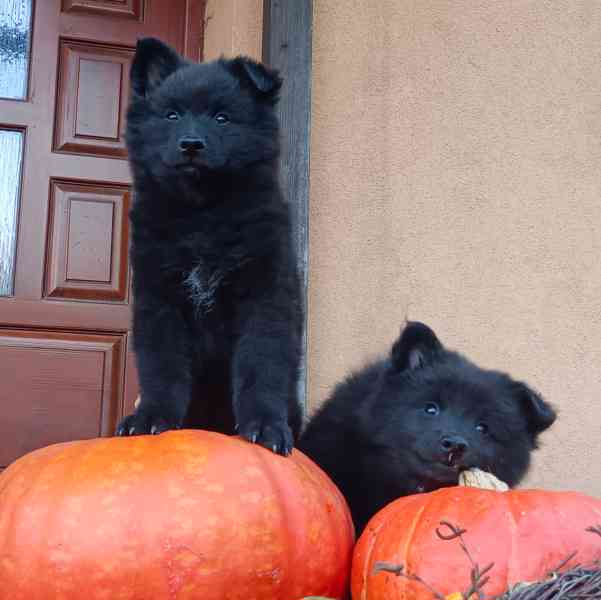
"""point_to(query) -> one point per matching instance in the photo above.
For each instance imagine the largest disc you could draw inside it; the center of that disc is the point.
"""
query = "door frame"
(194, 40)
(287, 46)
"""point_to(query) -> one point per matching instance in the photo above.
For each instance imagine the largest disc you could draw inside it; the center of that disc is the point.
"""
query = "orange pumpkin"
(182, 515)
(525, 533)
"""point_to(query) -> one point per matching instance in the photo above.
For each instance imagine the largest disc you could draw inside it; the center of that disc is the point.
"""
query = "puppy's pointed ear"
(416, 347)
(153, 62)
(265, 82)
(540, 415)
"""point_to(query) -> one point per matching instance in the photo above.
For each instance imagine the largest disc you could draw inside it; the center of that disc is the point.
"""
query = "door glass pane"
(11, 152)
(15, 31)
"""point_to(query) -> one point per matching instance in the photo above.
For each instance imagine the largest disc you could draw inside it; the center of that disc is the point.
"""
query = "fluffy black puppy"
(217, 304)
(411, 422)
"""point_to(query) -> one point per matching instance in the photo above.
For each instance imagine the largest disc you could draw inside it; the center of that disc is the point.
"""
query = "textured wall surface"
(456, 179)
(233, 27)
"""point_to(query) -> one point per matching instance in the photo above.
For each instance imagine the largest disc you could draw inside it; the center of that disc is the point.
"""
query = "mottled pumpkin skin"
(177, 516)
(526, 533)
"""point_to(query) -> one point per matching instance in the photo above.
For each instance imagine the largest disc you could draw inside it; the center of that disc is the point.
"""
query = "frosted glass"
(15, 31)
(11, 153)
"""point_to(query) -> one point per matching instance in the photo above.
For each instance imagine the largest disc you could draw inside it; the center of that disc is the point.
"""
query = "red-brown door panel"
(57, 386)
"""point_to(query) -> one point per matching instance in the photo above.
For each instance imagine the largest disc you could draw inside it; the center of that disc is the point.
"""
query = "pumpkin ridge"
(16, 504)
(57, 504)
(597, 512)
(336, 533)
(409, 540)
(513, 564)
(52, 504)
(367, 564)
(16, 501)
(287, 513)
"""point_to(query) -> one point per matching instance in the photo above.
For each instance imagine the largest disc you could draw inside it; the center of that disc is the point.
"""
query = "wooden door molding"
(87, 249)
(92, 93)
(58, 386)
(128, 9)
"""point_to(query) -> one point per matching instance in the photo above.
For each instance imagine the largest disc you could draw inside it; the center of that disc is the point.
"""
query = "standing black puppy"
(217, 309)
(411, 422)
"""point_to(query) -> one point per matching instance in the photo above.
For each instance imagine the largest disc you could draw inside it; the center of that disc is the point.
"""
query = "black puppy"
(411, 422)
(217, 304)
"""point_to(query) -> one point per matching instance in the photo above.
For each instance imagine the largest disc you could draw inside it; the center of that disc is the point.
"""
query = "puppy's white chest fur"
(202, 285)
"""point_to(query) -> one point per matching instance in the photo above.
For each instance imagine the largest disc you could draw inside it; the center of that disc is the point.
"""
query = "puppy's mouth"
(454, 459)
(441, 470)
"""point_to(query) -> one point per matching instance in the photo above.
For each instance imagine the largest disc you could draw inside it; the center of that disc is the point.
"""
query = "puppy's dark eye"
(172, 116)
(482, 428)
(431, 409)
(221, 118)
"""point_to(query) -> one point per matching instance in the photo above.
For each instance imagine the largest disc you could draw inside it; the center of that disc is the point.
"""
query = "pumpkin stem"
(482, 480)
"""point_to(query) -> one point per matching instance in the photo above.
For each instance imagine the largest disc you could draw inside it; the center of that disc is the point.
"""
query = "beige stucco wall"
(456, 179)
(233, 27)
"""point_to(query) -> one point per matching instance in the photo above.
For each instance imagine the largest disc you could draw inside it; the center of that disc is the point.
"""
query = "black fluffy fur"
(217, 304)
(411, 422)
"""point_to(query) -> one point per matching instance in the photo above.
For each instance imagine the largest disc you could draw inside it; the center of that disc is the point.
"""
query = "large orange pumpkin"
(525, 533)
(182, 515)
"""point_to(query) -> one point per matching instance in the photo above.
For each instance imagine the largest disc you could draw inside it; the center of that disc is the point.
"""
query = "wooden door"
(66, 364)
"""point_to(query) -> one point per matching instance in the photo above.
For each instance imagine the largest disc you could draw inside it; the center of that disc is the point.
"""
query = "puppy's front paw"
(271, 433)
(141, 423)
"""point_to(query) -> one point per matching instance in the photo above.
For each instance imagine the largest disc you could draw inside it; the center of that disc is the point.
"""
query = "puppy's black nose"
(190, 145)
(453, 443)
